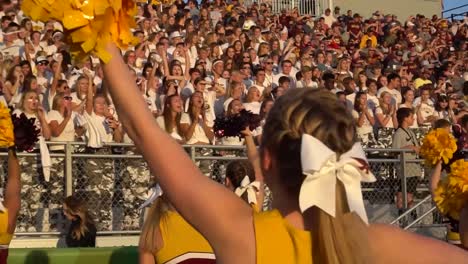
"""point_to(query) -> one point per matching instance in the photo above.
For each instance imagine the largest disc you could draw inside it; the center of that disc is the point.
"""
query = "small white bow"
(250, 188)
(322, 169)
(156, 192)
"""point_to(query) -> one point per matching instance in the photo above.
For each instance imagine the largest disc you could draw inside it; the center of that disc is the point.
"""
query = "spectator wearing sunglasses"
(63, 121)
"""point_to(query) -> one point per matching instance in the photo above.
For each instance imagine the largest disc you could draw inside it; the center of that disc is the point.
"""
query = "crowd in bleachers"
(200, 61)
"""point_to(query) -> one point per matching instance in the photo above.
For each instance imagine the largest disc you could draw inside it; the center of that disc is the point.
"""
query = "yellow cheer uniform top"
(278, 242)
(182, 243)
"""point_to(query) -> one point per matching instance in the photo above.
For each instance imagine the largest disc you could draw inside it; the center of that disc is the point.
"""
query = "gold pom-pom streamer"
(7, 137)
(91, 24)
(438, 145)
(451, 194)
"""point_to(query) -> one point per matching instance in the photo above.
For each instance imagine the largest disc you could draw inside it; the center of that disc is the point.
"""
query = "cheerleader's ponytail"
(312, 139)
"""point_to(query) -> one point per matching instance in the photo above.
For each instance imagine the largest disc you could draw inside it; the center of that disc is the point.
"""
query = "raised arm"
(57, 76)
(254, 159)
(404, 247)
(212, 209)
(90, 96)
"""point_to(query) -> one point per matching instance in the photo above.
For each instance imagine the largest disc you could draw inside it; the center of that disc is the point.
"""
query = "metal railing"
(305, 7)
(453, 15)
(74, 170)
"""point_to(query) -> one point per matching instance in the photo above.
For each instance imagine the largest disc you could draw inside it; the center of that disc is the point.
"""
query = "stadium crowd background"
(198, 62)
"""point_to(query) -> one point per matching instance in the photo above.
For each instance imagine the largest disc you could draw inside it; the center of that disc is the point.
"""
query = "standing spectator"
(170, 119)
(443, 110)
(408, 102)
(425, 110)
(372, 99)
(329, 18)
(404, 138)
(32, 176)
(64, 126)
(364, 119)
(392, 86)
(387, 122)
(195, 129)
(102, 127)
(82, 230)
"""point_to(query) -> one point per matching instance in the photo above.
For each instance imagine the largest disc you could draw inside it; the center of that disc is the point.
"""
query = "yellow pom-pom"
(91, 24)
(438, 145)
(452, 193)
(7, 137)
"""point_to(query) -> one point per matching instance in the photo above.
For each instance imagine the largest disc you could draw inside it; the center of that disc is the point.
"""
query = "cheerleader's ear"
(266, 160)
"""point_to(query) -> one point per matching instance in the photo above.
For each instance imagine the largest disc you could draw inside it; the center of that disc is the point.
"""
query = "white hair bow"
(322, 169)
(155, 192)
(250, 188)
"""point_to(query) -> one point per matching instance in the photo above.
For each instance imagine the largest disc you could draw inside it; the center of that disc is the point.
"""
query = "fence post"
(403, 179)
(68, 169)
(192, 153)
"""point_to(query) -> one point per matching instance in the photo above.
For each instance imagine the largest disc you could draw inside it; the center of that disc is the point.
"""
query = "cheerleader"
(314, 167)
(457, 230)
(10, 206)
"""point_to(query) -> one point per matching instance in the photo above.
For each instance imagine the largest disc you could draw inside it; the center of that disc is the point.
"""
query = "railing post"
(403, 179)
(192, 153)
(68, 170)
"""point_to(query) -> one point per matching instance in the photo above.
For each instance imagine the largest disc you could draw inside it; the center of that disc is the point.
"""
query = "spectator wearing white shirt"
(57, 44)
(442, 109)
(170, 119)
(329, 18)
(234, 91)
(194, 124)
(425, 109)
(252, 102)
(246, 70)
(364, 120)
(268, 66)
(372, 99)
(259, 82)
(387, 121)
(11, 46)
(350, 90)
(286, 70)
(13, 85)
(209, 97)
(41, 64)
(393, 86)
(408, 99)
(306, 80)
(64, 127)
(83, 84)
(102, 127)
(190, 86)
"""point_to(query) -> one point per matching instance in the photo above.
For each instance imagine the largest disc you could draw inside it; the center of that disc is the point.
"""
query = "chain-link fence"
(114, 181)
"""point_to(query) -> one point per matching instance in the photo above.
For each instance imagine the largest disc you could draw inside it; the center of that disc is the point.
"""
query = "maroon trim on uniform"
(3, 255)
